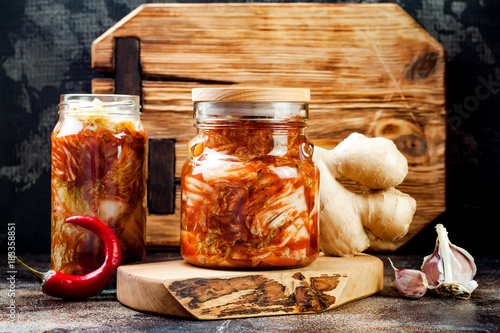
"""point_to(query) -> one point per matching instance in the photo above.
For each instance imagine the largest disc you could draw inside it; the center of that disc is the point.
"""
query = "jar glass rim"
(251, 111)
(100, 103)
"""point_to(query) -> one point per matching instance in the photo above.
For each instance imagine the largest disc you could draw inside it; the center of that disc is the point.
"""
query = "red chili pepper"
(57, 284)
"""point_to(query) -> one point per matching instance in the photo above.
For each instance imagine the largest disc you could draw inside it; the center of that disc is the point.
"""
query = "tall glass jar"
(99, 169)
(249, 194)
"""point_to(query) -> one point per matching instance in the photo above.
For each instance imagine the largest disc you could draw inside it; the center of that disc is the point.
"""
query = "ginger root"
(347, 220)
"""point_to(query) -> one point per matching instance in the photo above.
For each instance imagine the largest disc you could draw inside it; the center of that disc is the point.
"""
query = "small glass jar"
(99, 169)
(249, 191)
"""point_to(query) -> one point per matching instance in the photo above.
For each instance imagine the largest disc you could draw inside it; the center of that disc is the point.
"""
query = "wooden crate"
(370, 67)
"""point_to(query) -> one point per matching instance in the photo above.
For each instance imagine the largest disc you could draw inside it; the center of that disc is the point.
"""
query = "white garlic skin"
(411, 283)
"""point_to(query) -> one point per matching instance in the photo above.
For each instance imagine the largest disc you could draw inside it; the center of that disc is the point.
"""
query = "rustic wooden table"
(385, 311)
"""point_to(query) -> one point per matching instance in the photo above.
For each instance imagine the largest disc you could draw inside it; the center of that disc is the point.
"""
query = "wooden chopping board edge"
(176, 288)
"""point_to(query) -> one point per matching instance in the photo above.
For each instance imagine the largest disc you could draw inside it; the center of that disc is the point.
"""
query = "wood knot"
(408, 136)
(411, 145)
(423, 66)
(307, 300)
(327, 283)
(299, 276)
(389, 129)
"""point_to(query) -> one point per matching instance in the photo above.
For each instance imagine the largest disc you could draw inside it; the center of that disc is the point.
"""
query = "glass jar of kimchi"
(99, 169)
(249, 190)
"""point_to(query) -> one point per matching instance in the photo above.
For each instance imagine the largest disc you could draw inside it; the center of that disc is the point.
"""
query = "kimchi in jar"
(99, 150)
(250, 188)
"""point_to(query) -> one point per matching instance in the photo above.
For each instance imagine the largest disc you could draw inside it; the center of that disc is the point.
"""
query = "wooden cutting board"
(176, 288)
(370, 68)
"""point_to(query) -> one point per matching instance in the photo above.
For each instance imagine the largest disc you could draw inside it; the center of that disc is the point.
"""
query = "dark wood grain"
(127, 64)
(161, 182)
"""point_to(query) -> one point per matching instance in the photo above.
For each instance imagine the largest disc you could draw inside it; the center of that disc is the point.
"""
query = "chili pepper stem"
(39, 276)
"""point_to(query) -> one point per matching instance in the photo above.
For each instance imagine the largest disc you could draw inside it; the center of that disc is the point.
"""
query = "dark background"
(45, 52)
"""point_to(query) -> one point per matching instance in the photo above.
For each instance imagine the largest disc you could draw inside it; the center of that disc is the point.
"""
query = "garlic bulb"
(410, 282)
(450, 269)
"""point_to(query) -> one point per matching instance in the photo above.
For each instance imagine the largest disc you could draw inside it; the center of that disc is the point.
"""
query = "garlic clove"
(450, 269)
(410, 282)
(467, 269)
(432, 268)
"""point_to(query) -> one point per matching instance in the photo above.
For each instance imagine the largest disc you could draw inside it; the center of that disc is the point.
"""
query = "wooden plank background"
(371, 69)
